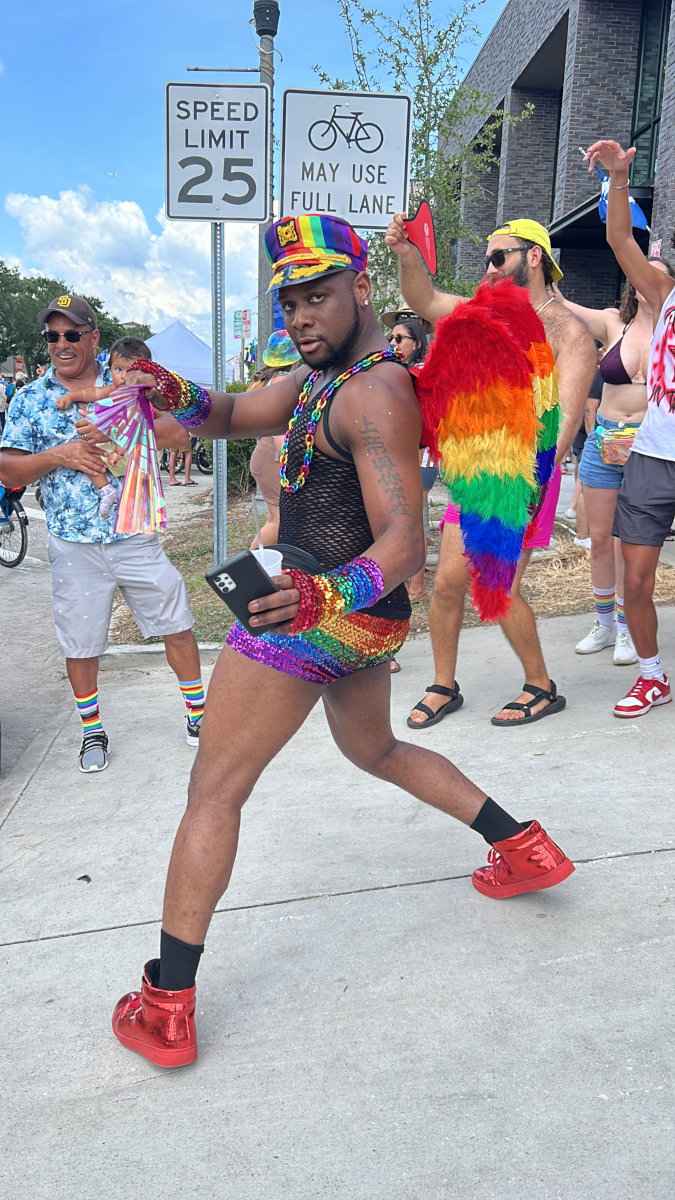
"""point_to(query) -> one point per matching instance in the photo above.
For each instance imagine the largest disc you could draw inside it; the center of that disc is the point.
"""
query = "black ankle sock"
(178, 963)
(495, 825)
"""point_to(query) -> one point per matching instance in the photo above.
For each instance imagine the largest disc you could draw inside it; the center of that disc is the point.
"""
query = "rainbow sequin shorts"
(331, 651)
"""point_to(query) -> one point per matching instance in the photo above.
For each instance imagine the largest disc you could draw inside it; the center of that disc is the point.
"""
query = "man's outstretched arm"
(255, 413)
(416, 286)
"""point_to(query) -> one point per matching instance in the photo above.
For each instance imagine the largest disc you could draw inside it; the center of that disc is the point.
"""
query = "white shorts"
(84, 578)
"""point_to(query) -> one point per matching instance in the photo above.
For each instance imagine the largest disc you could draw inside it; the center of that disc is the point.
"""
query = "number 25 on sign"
(217, 152)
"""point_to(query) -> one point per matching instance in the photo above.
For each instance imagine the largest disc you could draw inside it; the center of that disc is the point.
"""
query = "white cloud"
(2, 67)
(142, 273)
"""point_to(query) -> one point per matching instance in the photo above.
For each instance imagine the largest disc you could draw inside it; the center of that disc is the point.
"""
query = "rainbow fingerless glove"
(187, 402)
(358, 584)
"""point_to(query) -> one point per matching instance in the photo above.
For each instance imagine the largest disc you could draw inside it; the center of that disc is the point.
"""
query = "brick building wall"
(663, 215)
(592, 276)
(520, 32)
(599, 89)
(479, 211)
(528, 157)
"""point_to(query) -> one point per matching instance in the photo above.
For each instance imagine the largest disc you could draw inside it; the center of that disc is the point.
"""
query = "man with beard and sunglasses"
(350, 499)
(519, 250)
(42, 441)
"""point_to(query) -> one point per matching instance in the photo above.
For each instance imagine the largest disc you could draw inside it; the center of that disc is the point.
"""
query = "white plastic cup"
(271, 561)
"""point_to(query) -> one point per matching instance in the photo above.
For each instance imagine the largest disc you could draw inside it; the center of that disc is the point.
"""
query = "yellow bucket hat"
(531, 231)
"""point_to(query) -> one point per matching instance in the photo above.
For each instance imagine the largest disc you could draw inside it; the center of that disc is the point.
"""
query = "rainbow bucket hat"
(280, 351)
(304, 248)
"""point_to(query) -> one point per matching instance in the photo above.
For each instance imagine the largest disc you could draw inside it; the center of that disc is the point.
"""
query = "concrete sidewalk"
(370, 1027)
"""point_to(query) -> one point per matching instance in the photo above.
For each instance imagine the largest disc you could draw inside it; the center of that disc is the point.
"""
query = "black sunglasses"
(498, 257)
(400, 337)
(71, 335)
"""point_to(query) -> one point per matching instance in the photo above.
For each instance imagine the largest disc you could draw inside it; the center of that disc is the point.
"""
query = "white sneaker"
(585, 543)
(600, 637)
(624, 650)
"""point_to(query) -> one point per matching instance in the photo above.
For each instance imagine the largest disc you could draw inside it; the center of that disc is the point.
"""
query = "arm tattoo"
(385, 469)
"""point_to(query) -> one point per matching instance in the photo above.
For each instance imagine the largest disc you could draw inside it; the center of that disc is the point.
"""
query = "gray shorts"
(646, 504)
(84, 578)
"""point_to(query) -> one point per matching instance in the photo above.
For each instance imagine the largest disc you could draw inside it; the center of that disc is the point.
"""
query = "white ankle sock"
(652, 668)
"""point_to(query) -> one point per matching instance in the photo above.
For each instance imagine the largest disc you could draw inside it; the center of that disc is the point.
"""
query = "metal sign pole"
(265, 319)
(219, 350)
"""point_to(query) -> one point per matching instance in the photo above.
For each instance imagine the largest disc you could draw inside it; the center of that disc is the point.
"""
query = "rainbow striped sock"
(604, 605)
(619, 611)
(192, 691)
(87, 707)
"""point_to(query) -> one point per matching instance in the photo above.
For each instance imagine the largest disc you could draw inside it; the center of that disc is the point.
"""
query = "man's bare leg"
(233, 751)
(357, 709)
(446, 615)
(520, 630)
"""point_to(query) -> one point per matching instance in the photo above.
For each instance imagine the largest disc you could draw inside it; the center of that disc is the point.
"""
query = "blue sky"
(82, 139)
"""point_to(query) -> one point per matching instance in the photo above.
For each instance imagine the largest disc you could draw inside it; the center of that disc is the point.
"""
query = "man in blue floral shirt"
(89, 560)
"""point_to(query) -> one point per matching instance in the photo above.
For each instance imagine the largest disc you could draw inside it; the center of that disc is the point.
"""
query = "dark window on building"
(649, 91)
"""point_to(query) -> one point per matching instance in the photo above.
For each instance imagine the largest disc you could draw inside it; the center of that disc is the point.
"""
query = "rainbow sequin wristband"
(189, 403)
(356, 585)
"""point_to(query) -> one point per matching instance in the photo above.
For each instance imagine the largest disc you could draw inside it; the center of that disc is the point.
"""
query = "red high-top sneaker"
(526, 862)
(156, 1023)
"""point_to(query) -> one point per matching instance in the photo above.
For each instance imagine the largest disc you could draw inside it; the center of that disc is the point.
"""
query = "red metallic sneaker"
(644, 694)
(156, 1023)
(526, 862)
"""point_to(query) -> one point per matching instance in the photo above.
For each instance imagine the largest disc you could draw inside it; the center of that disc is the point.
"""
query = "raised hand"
(396, 237)
(611, 156)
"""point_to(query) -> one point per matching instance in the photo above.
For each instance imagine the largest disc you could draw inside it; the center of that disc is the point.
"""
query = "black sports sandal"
(455, 701)
(555, 704)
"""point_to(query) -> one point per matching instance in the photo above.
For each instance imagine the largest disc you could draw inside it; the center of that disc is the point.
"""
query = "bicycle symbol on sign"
(366, 135)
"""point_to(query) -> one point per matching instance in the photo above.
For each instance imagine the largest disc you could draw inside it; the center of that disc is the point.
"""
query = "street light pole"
(266, 18)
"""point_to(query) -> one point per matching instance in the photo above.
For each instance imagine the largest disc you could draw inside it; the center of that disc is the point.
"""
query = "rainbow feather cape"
(126, 417)
(490, 413)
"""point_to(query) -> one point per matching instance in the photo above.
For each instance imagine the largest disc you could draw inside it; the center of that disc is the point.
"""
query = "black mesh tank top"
(327, 517)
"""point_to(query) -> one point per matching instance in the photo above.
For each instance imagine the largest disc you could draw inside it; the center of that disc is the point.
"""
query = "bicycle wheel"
(13, 534)
(322, 135)
(203, 456)
(369, 138)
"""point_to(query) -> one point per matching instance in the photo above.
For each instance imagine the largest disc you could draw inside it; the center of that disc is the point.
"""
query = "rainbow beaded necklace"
(320, 401)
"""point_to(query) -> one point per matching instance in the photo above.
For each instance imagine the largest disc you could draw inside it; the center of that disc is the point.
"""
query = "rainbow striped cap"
(304, 248)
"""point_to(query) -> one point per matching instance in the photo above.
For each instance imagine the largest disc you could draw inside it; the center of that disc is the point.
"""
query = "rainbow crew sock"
(619, 613)
(604, 605)
(87, 707)
(192, 691)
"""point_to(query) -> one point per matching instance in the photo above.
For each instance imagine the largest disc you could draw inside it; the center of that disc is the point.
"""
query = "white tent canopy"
(179, 349)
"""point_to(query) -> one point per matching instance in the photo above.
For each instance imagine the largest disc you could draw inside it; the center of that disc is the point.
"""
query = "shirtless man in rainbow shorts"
(519, 250)
(350, 498)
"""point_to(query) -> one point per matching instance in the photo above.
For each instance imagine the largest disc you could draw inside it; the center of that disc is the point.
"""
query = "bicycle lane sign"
(345, 153)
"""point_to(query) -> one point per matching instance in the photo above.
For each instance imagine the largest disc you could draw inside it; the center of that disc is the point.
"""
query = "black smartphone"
(239, 580)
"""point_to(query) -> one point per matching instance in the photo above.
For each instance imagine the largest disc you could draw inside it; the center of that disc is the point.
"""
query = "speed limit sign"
(217, 157)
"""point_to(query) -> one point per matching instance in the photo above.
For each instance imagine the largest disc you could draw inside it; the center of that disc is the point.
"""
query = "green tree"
(22, 297)
(418, 54)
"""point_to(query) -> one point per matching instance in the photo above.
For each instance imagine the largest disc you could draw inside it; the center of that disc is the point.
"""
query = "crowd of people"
(342, 429)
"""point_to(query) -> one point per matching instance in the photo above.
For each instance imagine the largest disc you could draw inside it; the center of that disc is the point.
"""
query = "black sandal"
(454, 702)
(555, 704)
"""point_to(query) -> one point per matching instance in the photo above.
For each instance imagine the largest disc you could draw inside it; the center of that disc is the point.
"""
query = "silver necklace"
(545, 304)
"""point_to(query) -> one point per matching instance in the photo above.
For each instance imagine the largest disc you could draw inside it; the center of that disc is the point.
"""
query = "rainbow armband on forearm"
(187, 402)
(358, 584)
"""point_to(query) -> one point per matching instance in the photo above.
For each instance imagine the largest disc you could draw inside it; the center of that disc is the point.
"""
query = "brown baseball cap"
(75, 308)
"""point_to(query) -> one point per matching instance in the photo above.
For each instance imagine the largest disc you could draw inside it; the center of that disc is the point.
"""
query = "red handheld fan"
(420, 231)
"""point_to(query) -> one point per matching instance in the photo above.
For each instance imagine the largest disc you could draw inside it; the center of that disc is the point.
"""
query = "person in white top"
(646, 503)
